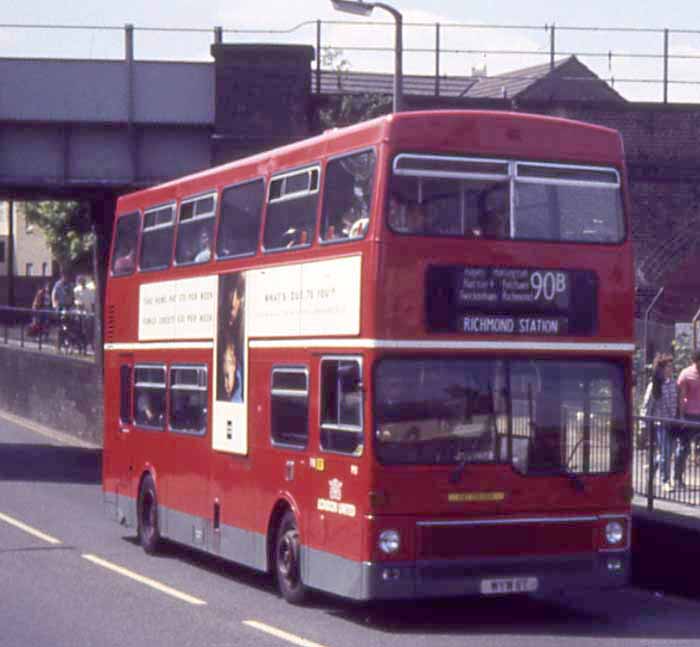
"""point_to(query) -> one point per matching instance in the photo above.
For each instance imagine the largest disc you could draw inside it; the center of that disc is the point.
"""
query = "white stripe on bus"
(398, 344)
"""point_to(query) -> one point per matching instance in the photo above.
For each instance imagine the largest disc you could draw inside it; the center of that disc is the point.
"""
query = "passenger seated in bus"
(406, 216)
(294, 237)
(204, 252)
(494, 212)
(146, 413)
(125, 261)
(348, 225)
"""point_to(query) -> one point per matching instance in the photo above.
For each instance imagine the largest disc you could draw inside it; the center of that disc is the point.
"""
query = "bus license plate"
(504, 585)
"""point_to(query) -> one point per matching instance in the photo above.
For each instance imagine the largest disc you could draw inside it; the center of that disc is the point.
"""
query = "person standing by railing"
(689, 404)
(62, 293)
(661, 401)
(41, 303)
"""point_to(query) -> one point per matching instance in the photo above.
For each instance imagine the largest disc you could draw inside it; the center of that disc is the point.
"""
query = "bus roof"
(472, 132)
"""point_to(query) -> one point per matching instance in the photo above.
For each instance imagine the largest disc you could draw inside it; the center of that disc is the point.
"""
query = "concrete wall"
(664, 552)
(58, 392)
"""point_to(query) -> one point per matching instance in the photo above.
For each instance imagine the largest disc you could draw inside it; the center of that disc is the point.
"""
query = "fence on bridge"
(651, 64)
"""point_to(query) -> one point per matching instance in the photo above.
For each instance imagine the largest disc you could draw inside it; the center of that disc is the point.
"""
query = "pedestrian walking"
(661, 401)
(689, 406)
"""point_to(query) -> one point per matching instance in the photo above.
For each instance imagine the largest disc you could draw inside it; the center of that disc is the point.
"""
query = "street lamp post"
(358, 7)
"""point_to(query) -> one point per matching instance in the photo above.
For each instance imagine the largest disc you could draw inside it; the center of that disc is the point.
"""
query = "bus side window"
(289, 406)
(188, 399)
(291, 210)
(149, 396)
(157, 238)
(195, 230)
(341, 406)
(347, 196)
(241, 213)
(125, 394)
(126, 238)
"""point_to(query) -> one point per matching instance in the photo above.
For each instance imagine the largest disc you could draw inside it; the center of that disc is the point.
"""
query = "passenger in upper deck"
(406, 216)
(204, 252)
(494, 212)
(125, 261)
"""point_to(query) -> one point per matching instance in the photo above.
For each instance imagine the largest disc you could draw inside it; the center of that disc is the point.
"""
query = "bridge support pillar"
(263, 97)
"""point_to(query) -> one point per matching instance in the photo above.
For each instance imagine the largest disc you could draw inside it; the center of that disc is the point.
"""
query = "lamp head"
(356, 7)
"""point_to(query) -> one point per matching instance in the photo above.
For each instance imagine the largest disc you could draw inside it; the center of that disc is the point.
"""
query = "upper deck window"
(502, 199)
(291, 211)
(126, 238)
(157, 238)
(347, 196)
(554, 202)
(241, 212)
(195, 231)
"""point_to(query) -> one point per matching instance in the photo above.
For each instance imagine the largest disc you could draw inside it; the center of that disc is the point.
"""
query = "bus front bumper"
(542, 575)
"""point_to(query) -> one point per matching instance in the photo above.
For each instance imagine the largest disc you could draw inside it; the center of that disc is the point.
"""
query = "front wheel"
(287, 560)
(148, 531)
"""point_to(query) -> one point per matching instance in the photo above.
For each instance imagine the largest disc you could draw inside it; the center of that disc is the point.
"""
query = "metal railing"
(69, 331)
(662, 58)
(666, 439)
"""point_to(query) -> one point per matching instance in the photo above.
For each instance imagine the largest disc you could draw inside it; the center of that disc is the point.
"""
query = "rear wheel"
(148, 531)
(287, 560)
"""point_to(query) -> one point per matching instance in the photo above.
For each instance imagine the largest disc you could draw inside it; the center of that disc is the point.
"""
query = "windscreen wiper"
(576, 480)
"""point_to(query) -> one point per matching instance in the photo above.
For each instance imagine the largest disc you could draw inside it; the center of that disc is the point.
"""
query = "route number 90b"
(547, 285)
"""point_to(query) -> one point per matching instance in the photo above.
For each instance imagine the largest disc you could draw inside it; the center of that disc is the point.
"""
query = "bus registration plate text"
(505, 585)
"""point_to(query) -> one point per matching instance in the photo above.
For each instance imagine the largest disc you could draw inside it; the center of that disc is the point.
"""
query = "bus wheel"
(148, 532)
(287, 560)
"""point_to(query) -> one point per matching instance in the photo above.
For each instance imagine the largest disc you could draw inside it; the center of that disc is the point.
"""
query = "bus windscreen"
(496, 199)
(542, 416)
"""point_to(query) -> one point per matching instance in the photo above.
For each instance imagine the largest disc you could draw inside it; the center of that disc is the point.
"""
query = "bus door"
(120, 457)
(190, 513)
(337, 486)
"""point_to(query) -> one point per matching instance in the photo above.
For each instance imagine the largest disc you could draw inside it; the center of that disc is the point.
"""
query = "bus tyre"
(287, 560)
(148, 532)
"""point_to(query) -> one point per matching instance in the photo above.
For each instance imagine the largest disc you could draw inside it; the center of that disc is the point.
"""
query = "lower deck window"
(289, 406)
(188, 399)
(149, 396)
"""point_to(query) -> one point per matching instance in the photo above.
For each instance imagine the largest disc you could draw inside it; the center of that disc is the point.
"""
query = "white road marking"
(163, 588)
(28, 529)
(283, 635)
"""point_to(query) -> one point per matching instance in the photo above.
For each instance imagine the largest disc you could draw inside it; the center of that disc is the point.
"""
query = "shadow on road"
(36, 462)
(623, 614)
(631, 613)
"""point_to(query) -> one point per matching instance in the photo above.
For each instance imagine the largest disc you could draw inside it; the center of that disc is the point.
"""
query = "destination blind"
(511, 301)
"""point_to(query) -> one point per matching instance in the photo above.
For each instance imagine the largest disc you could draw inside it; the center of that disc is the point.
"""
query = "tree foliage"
(345, 109)
(67, 228)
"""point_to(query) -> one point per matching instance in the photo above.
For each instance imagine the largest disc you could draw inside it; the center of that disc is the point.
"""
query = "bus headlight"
(614, 532)
(389, 541)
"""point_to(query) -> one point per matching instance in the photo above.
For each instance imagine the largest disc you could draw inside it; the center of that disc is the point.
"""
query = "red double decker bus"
(390, 361)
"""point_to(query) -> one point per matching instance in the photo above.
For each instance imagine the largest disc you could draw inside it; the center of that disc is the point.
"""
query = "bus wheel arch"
(148, 529)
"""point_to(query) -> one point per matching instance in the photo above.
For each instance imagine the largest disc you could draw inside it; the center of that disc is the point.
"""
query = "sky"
(631, 58)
